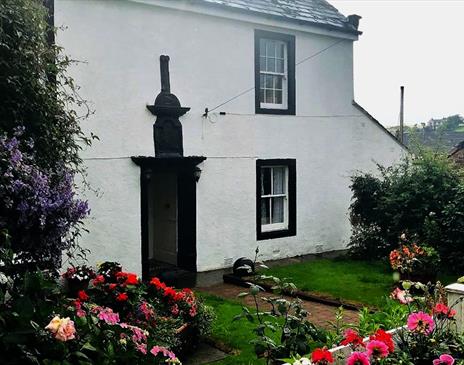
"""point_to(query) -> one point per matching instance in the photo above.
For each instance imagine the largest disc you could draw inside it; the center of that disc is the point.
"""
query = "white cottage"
(266, 165)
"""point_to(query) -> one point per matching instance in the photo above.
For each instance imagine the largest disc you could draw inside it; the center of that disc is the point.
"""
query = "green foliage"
(421, 196)
(277, 315)
(229, 334)
(35, 90)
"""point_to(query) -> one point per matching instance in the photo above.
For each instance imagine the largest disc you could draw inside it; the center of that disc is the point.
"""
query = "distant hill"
(443, 133)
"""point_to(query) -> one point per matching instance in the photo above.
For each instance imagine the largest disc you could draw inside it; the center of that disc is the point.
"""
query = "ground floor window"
(275, 198)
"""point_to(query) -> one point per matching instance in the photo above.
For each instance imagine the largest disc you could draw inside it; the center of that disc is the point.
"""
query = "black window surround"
(291, 229)
(290, 41)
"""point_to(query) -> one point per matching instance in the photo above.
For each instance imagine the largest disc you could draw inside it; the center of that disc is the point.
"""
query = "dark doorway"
(168, 215)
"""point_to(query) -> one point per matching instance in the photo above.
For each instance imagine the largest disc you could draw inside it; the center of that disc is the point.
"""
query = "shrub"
(39, 208)
(422, 196)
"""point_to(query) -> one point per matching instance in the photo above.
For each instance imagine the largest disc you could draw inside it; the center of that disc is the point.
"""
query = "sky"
(415, 43)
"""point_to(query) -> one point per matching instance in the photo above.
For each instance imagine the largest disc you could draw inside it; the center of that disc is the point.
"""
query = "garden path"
(320, 314)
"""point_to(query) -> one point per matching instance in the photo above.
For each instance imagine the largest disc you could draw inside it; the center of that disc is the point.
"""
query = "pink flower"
(160, 349)
(193, 311)
(142, 347)
(107, 315)
(401, 296)
(444, 359)
(421, 322)
(62, 328)
(377, 349)
(175, 310)
(66, 331)
(358, 358)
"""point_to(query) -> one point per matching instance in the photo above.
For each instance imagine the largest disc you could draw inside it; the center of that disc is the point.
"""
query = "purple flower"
(40, 208)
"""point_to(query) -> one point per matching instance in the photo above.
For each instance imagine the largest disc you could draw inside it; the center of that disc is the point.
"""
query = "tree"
(35, 90)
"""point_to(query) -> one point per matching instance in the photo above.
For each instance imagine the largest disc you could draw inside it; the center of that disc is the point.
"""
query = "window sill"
(275, 111)
(267, 235)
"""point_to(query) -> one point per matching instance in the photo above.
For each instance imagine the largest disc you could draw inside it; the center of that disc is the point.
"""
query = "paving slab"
(205, 354)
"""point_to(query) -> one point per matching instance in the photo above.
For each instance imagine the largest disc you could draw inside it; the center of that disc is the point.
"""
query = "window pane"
(277, 210)
(271, 64)
(280, 50)
(262, 47)
(279, 66)
(265, 211)
(278, 97)
(269, 97)
(265, 181)
(279, 180)
(261, 95)
(262, 63)
(278, 82)
(261, 81)
(269, 82)
(270, 48)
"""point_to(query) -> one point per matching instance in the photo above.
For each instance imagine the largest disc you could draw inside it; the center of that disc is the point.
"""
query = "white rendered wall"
(212, 60)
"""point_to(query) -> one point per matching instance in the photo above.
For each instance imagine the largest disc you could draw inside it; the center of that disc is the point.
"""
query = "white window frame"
(276, 226)
(284, 104)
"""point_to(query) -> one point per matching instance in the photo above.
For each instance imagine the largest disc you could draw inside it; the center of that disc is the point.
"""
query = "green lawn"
(236, 334)
(360, 281)
(364, 282)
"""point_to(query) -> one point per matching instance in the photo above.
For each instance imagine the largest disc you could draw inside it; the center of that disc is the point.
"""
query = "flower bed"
(429, 336)
(113, 319)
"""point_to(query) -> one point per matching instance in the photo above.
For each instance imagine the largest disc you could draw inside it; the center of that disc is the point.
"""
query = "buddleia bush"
(40, 138)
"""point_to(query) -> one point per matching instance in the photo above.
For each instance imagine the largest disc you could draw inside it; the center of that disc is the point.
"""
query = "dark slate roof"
(311, 12)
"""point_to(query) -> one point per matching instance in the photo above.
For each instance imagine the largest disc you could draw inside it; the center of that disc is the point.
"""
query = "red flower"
(321, 356)
(100, 279)
(352, 338)
(132, 279)
(157, 283)
(384, 337)
(443, 309)
(112, 286)
(170, 292)
(178, 296)
(82, 295)
(122, 297)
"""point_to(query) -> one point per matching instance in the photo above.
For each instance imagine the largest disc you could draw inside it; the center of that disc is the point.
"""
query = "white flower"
(3, 278)
(305, 361)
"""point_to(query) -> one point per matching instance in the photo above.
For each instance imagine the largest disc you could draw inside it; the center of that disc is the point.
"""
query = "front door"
(168, 213)
(163, 220)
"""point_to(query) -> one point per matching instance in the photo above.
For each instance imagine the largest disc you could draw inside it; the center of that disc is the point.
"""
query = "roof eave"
(370, 117)
(278, 17)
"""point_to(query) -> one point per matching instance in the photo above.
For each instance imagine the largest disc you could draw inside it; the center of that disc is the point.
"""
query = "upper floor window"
(275, 73)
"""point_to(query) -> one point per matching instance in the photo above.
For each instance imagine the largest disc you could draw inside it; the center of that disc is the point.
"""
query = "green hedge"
(422, 196)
